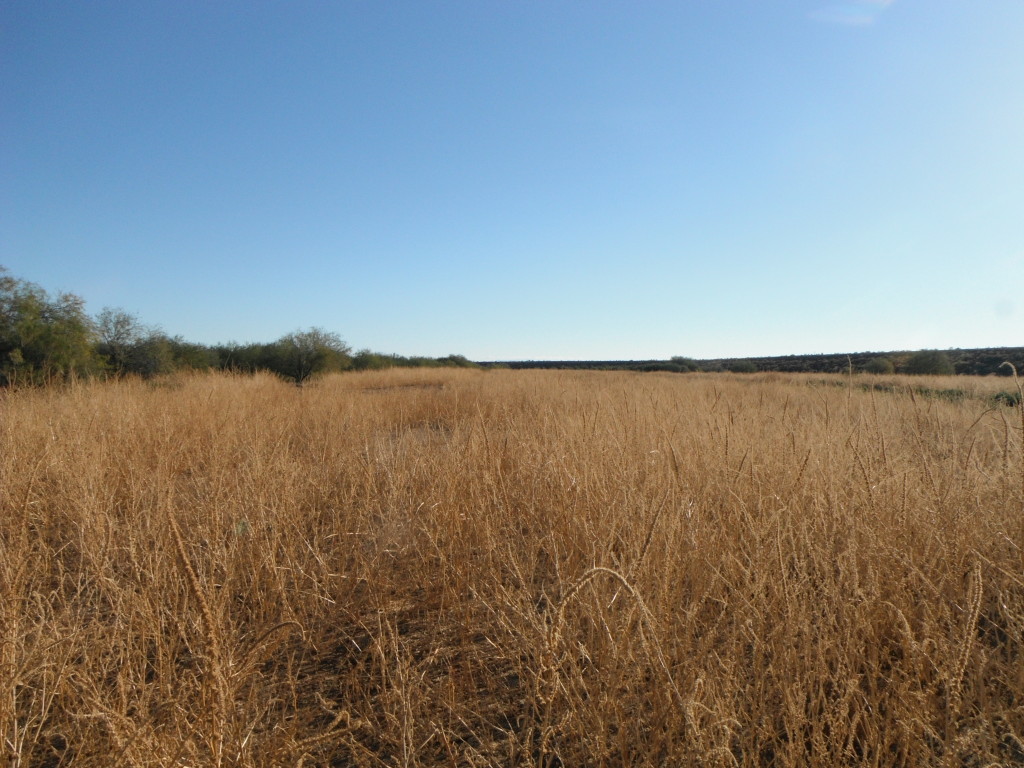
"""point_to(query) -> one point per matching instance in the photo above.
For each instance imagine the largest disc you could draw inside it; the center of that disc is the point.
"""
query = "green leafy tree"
(42, 338)
(930, 362)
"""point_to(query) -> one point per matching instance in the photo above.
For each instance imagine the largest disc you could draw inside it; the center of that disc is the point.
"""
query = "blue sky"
(533, 179)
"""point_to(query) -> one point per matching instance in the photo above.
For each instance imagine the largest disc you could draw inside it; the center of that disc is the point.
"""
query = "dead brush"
(970, 627)
(781, 579)
(226, 672)
(548, 683)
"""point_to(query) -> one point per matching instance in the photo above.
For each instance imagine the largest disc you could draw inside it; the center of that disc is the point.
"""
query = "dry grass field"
(466, 568)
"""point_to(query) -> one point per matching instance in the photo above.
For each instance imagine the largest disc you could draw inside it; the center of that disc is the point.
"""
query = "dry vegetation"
(461, 568)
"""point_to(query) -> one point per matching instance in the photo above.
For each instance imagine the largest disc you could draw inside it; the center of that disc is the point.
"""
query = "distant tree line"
(976, 362)
(46, 338)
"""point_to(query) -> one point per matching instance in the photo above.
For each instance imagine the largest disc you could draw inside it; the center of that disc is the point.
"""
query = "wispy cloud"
(861, 13)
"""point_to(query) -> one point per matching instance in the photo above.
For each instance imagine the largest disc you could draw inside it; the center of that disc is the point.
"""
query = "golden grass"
(460, 568)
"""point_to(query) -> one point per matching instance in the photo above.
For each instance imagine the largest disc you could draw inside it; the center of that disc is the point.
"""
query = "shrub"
(301, 354)
(367, 360)
(1011, 399)
(685, 364)
(456, 361)
(929, 362)
(880, 365)
(742, 366)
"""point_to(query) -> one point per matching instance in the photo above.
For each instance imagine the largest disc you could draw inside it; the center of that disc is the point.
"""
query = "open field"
(466, 568)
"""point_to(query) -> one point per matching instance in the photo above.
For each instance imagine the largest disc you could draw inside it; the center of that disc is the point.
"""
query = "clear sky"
(544, 179)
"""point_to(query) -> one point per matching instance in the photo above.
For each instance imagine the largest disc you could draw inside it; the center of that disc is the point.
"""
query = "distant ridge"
(975, 362)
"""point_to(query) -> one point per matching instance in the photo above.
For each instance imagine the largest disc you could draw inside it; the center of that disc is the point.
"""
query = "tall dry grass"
(461, 568)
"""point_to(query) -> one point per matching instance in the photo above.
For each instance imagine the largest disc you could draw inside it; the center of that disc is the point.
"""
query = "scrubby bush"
(366, 360)
(880, 365)
(301, 354)
(742, 366)
(929, 362)
(1006, 398)
(456, 361)
(685, 364)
